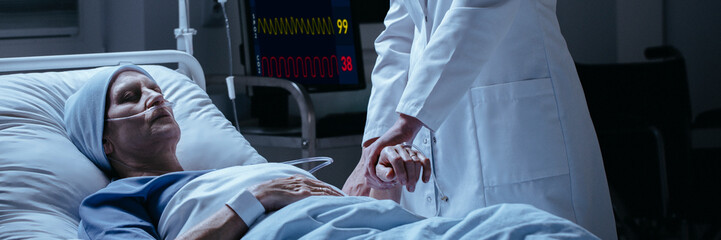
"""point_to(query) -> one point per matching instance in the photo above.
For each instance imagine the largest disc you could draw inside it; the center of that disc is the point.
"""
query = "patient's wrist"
(247, 206)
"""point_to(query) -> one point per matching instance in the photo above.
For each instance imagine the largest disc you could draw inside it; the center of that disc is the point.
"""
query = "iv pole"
(184, 34)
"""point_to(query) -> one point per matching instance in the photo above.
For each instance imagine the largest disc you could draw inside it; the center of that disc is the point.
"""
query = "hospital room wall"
(619, 31)
(610, 31)
(695, 28)
(89, 37)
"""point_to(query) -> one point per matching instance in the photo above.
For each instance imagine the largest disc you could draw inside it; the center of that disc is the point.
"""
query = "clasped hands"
(390, 161)
(402, 165)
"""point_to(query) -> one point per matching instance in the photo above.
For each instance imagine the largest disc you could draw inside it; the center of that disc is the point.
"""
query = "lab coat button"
(429, 199)
(425, 141)
(434, 140)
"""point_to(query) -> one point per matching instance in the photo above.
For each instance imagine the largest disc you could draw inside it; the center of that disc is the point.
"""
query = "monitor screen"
(313, 43)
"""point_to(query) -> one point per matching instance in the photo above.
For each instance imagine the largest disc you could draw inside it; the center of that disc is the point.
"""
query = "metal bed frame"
(187, 64)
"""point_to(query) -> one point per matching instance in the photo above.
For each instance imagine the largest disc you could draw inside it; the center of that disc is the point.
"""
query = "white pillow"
(43, 177)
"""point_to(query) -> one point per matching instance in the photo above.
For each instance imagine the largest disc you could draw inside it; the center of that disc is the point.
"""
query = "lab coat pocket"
(519, 132)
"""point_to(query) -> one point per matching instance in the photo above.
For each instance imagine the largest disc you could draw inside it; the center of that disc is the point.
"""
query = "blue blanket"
(363, 218)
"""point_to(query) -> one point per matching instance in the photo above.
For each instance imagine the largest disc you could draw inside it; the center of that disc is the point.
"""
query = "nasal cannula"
(143, 113)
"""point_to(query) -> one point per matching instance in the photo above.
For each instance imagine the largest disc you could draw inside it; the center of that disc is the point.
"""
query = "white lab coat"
(506, 117)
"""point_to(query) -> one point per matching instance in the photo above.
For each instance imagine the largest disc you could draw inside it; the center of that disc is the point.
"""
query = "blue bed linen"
(363, 218)
(130, 208)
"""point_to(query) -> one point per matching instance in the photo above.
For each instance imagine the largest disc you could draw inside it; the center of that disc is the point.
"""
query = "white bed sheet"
(43, 177)
(205, 195)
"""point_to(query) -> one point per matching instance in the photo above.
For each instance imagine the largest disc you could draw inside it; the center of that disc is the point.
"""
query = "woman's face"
(132, 93)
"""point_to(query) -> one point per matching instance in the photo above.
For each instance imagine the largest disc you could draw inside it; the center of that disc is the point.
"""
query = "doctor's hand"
(400, 164)
(404, 130)
(278, 193)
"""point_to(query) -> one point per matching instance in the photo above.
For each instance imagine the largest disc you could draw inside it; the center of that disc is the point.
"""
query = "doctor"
(488, 90)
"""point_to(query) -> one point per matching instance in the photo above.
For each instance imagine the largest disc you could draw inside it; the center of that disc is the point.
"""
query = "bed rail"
(305, 106)
(185, 62)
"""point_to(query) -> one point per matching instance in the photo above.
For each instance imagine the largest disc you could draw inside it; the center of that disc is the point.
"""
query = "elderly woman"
(120, 120)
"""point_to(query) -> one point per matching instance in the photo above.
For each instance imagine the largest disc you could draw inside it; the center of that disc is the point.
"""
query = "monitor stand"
(270, 106)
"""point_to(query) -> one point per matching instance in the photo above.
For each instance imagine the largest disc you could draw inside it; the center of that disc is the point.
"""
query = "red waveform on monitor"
(306, 66)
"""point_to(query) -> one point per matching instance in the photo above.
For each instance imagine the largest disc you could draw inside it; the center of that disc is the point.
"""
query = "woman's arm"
(224, 224)
(393, 193)
(273, 195)
(117, 211)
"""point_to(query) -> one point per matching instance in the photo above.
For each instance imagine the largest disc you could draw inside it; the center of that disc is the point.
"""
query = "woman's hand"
(404, 130)
(278, 193)
(273, 195)
(400, 164)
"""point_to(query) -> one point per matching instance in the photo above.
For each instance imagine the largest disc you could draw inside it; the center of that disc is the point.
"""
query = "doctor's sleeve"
(454, 56)
(390, 73)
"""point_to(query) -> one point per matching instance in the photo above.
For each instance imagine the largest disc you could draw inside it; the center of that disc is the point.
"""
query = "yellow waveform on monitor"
(293, 26)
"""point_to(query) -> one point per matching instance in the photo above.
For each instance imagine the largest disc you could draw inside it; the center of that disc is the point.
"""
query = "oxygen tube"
(326, 161)
(164, 104)
(229, 80)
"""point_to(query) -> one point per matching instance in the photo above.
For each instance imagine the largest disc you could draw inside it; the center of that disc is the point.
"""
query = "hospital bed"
(43, 177)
